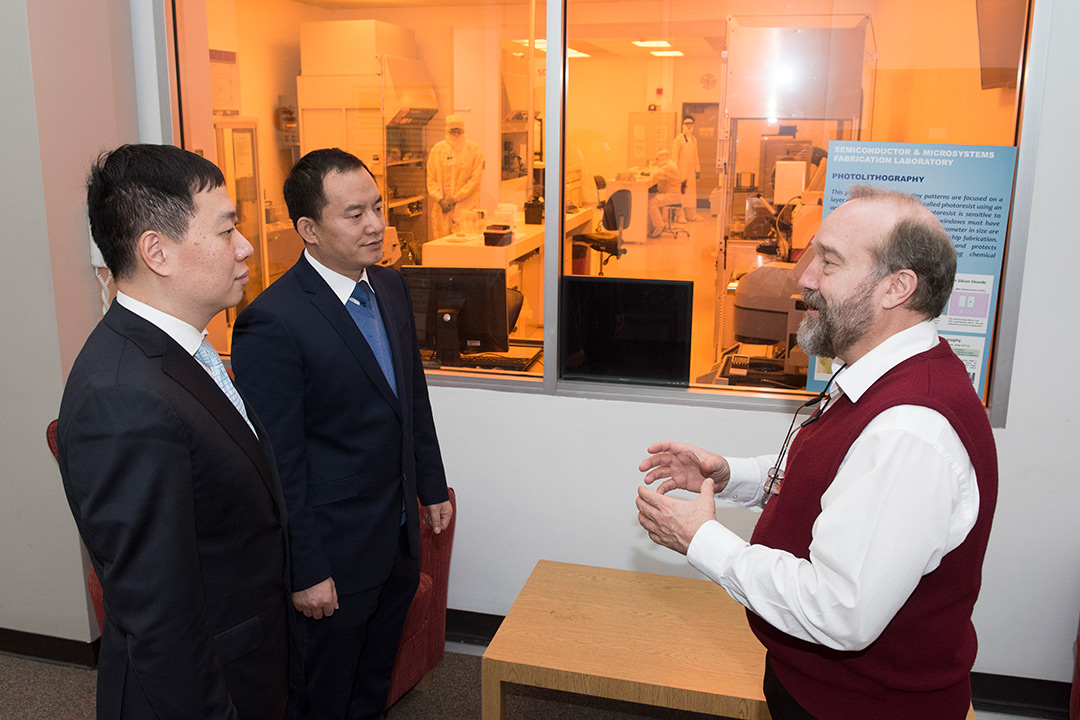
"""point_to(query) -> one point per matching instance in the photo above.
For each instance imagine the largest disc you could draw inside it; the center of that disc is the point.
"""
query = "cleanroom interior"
(877, 70)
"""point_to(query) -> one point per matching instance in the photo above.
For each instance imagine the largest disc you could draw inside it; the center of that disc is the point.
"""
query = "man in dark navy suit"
(169, 475)
(328, 356)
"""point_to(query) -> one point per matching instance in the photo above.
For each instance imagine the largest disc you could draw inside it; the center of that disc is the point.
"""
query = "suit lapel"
(189, 374)
(328, 304)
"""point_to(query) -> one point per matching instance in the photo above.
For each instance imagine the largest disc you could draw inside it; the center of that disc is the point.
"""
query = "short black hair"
(136, 188)
(917, 242)
(303, 189)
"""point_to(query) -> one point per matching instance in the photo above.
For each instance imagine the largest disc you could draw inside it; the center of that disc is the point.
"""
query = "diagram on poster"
(969, 189)
(969, 306)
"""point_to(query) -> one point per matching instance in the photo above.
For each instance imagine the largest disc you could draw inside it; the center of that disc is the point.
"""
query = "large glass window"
(700, 131)
(693, 137)
(444, 104)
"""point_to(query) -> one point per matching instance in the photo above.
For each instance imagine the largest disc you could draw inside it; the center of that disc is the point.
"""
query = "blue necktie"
(207, 355)
(365, 313)
(364, 310)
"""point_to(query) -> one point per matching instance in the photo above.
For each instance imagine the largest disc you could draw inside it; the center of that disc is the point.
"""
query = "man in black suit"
(172, 485)
(328, 357)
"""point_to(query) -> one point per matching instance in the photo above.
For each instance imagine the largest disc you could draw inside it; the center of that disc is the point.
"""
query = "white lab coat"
(453, 171)
(684, 152)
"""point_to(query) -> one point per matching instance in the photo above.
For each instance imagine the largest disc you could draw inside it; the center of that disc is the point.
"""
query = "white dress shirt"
(341, 285)
(904, 496)
(187, 336)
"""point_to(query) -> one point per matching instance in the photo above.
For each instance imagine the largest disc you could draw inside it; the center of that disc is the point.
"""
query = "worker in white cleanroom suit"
(668, 180)
(685, 154)
(453, 177)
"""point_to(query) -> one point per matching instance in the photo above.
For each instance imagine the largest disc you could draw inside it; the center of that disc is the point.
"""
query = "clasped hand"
(673, 522)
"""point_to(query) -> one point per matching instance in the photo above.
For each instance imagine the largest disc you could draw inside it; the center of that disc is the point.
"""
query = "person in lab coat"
(453, 177)
(685, 154)
(668, 180)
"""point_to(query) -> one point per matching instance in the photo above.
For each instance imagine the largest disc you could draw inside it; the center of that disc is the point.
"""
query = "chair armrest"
(435, 551)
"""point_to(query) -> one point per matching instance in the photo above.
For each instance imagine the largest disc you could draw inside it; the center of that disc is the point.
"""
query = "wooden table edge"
(495, 672)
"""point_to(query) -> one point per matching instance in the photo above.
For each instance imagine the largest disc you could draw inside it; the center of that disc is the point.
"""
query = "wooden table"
(651, 639)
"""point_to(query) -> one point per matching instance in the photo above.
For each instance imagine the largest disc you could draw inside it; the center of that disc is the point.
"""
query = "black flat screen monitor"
(459, 310)
(625, 330)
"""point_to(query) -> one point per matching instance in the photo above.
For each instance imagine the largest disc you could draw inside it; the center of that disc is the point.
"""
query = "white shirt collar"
(342, 286)
(187, 336)
(867, 370)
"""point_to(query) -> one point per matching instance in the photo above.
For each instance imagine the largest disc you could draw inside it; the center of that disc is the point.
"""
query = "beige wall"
(57, 116)
(909, 107)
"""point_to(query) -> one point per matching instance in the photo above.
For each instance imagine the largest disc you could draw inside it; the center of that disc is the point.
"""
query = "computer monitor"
(625, 330)
(459, 310)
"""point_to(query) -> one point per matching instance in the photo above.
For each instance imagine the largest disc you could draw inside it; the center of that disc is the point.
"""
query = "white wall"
(1027, 615)
(28, 495)
(55, 120)
(553, 477)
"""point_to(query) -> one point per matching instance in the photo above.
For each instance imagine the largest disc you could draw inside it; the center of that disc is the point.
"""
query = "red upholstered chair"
(1074, 695)
(423, 639)
(92, 582)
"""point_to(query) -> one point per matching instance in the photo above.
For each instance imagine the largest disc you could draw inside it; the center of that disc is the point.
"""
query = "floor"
(479, 650)
(32, 690)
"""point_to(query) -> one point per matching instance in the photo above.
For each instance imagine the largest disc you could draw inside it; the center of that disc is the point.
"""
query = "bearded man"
(863, 569)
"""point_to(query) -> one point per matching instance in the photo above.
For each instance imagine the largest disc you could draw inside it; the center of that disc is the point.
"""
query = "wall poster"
(969, 189)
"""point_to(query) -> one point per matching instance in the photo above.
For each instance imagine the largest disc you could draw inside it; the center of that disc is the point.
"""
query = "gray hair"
(917, 242)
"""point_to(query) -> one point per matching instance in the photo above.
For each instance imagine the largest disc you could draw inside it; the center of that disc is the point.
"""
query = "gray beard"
(813, 337)
(837, 327)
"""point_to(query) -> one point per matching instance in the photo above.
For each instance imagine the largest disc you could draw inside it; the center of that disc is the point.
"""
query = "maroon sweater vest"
(918, 667)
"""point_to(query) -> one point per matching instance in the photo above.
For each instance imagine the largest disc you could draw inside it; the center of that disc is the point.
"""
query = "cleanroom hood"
(409, 93)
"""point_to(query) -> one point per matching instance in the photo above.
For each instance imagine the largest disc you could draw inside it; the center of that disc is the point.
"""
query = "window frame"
(1029, 111)
(158, 104)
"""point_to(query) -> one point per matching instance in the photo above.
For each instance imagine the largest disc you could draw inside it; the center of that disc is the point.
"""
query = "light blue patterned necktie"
(364, 310)
(207, 355)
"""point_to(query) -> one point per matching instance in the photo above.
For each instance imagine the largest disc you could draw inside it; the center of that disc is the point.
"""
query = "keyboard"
(500, 362)
(516, 363)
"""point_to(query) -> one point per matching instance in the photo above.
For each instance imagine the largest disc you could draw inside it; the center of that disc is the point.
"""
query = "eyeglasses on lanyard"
(775, 475)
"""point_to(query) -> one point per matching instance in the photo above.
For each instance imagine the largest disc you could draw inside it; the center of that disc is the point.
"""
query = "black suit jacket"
(349, 452)
(179, 506)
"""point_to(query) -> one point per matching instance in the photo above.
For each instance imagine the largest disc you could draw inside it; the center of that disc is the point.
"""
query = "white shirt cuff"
(712, 550)
(745, 487)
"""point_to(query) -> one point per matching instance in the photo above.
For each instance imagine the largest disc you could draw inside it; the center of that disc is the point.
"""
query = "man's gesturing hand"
(683, 466)
(672, 522)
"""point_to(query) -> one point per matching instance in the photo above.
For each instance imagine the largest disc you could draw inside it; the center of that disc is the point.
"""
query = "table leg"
(492, 692)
